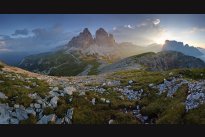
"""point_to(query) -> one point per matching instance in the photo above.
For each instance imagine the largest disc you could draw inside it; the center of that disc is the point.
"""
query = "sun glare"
(161, 39)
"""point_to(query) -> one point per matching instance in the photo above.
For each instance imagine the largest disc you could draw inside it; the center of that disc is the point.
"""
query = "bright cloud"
(156, 21)
(144, 33)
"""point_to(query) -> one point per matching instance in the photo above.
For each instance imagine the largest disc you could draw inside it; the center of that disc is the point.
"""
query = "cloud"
(194, 30)
(40, 40)
(142, 33)
(156, 21)
(21, 32)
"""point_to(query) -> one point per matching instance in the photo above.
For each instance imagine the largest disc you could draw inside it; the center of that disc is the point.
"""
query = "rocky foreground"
(125, 97)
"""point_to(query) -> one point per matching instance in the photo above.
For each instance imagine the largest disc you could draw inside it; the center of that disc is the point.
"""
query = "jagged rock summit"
(180, 47)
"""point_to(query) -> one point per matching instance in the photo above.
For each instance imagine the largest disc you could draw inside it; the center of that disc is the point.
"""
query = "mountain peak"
(84, 39)
(103, 38)
(86, 31)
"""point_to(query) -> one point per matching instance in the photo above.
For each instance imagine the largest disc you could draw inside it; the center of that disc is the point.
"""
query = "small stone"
(51, 118)
(121, 97)
(69, 90)
(70, 100)
(54, 101)
(37, 106)
(55, 89)
(171, 73)
(70, 113)
(31, 105)
(111, 121)
(130, 82)
(67, 120)
(93, 101)
(107, 101)
(31, 111)
(59, 120)
(3, 96)
(14, 121)
(43, 120)
(16, 106)
(34, 84)
(151, 85)
(82, 93)
(102, 99)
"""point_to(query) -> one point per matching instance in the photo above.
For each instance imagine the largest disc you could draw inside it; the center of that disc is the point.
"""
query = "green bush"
(173, 115)
(48, 111)
(31, 120)
(195, 116)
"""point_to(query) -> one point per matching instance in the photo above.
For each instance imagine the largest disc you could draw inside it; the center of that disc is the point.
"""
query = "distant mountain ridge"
(151, 61)
(180, 47)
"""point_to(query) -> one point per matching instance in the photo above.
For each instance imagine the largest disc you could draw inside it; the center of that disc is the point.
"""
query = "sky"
(35, 33)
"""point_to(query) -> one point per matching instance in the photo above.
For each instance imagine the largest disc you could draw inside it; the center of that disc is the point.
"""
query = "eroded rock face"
(83, 40)
(103, 38)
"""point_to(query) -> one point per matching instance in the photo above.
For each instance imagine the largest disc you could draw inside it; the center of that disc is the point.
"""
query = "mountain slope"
(165, 60)
(124, 97)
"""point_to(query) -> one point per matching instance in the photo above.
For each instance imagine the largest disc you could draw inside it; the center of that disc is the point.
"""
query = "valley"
(122, 97)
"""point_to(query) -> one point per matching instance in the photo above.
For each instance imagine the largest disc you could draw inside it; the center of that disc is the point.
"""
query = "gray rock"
(103, 99)
(3, 96)
(53, 93)
(31, 111)
(107, 101)
(67, 120)
(13, 114)
(93, 101)
(69, 90)
(51, 118)
(43, 120)
(16, 106)
(38, 110)
(54, 101)
(34, 84)
(21, 114)
(70, 113)
(151, 85)
(122, 97)
(32, 105)
(82, 93)
(59, 120)
(39, 101)
(33, 96)
(55, 89)
(37, 106)
(4, 114)
(130, 81)
(13, 121)
(111, 121)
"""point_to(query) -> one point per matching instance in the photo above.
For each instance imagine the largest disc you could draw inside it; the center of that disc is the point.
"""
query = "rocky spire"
(84, 39)
(102, 38)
